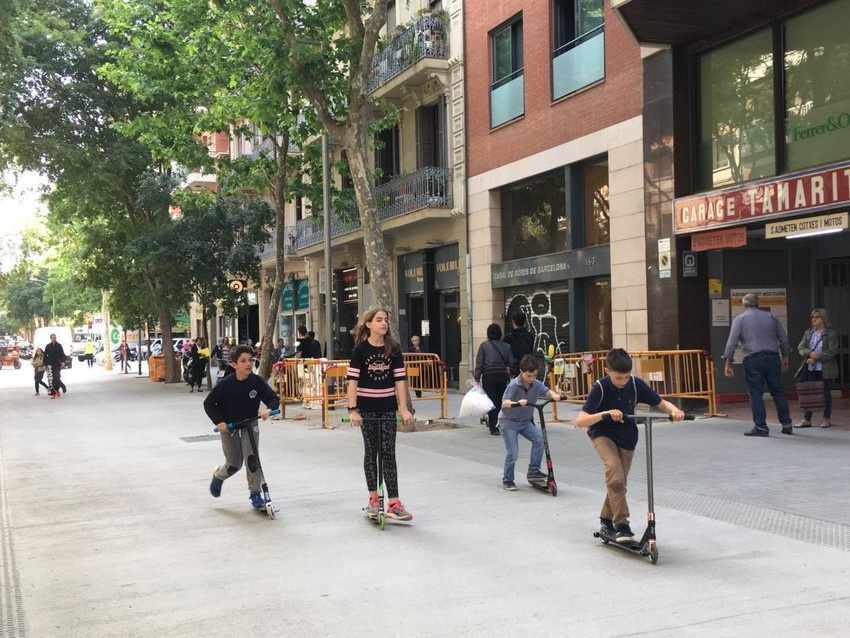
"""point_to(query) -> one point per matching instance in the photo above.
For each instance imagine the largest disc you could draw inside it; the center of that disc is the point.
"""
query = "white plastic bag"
(475, 403)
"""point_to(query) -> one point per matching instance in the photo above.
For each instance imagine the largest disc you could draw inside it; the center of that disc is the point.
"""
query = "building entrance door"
(451, 346)
(834, 276)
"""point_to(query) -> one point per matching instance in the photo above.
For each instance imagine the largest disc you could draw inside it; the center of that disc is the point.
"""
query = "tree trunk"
(280, 256)
(172, 371)
(104, 312)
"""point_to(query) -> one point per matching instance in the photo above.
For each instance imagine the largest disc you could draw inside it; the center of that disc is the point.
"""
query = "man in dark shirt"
(305, 344)
(54, 356)
(519, 339)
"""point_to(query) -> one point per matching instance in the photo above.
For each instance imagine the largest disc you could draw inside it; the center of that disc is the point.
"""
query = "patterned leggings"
(387, 422)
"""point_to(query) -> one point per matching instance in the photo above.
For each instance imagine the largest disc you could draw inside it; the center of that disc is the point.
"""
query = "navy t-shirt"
(604, 395)
(232, 400)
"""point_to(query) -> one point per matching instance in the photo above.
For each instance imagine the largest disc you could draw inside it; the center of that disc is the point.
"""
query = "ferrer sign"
(793, 194)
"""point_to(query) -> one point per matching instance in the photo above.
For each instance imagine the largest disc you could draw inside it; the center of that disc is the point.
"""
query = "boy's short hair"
(238, 351)
(518, 319)
(302, 330)
(494, 331)
(529, 363)
(618, 360)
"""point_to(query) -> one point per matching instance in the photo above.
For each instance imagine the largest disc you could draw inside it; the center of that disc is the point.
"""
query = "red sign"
(728, 238)
(791, 194)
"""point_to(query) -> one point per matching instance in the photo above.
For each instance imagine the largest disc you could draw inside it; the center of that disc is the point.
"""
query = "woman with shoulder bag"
(492, 364)
(818, 348)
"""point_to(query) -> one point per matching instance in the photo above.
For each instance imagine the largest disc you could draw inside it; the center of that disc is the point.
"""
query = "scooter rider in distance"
(517, 418)
(615, 438)
(237, 398)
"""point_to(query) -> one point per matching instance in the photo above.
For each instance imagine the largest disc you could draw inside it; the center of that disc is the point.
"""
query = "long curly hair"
(361, 332)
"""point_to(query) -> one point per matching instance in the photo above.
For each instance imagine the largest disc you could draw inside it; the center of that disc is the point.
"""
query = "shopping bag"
(810, 396)
(475, 403)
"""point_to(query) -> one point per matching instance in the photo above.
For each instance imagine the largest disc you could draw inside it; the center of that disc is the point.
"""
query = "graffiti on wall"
(547, 315)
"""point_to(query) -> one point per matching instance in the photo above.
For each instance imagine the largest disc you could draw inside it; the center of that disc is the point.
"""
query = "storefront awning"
(674, 22)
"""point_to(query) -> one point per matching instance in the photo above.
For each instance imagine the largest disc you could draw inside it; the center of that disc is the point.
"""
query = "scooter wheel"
(653, 553)
(270, 510)
(553, 488)
(382, 520)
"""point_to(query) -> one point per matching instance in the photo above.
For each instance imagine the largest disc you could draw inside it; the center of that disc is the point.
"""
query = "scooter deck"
(387, 517)
(544, 486)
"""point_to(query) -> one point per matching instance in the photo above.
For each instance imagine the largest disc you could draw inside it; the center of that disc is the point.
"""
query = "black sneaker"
(757, 432)
(606, 526)
(624, 534)
(495, 431)
(510, 486)
(787, 430)
(536, 476)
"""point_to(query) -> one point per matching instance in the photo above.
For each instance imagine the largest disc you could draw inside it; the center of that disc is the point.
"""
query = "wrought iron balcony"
(429, 187)
(270, 249)
(425, 38)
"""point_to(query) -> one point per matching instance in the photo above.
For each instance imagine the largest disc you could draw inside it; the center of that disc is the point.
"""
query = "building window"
(387, 155)
(578, 45)
(534, 217)
(597, 212)
(507, 100)
(736, 112)
(392, 20)
(431, 135)
(817, 86)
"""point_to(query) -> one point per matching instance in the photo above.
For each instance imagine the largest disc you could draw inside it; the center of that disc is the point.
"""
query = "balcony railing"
(507, 99)
(578, 63)
(429, 187)
(270, 249)
(425, 38)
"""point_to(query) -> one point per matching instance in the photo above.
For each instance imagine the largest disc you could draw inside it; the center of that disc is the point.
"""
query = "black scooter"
(648, 544)
(549, 484)
(253, 460)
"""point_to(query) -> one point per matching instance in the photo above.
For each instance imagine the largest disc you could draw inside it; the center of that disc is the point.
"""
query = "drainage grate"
(198, 439)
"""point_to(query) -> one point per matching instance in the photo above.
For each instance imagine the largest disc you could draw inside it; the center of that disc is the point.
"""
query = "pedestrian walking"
(766, 349)
(89, 352)
(197, 364)
(819, 347)
(376, 392)
(493, 364)
(614, 438)
(415, 348)
(38, 370)
(519, 339)
(54, 357)
(236, 398)
(524, 389)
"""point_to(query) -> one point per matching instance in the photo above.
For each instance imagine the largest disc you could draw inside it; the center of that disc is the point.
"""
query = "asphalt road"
(108, 529)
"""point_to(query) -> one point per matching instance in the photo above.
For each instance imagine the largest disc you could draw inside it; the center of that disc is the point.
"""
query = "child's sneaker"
(215, 485)
(606, 526)
(624, 534)
(257, 500)
(372, 507)
(397, 511)
(536, 476)
(510, 486)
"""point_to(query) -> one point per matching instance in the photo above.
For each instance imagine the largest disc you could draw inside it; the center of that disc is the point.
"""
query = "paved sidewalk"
(108, 529)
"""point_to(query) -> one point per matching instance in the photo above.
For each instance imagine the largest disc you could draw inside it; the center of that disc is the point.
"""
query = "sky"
(18, 209)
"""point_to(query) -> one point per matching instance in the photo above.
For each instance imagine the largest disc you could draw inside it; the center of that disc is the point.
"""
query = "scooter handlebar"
(235, 426)
(644, 417)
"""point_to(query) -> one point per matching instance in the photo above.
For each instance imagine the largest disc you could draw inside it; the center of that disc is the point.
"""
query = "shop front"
(429, 304)
(747, 165)
(294, 306)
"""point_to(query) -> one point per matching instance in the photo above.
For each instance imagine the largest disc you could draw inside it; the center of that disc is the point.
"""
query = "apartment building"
(420, 192)
(746, 127)
(555, 160)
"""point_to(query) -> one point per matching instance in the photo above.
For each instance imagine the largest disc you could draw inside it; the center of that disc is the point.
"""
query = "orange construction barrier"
(427, 379)
(673, 374)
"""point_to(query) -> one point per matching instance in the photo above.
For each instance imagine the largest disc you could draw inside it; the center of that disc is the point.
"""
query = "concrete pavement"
(108, 529)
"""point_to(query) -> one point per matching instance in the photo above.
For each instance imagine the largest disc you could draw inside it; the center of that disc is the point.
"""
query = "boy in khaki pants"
(614, 437)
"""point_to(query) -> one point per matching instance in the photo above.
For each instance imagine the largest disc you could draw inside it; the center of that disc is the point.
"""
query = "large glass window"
(597, 212)
(578, 51)
(507, 90)
(534, 217)
(736, 112)
(599, 326)
(817, 86)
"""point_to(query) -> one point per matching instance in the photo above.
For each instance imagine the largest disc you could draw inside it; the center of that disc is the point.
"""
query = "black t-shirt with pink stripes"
(376, 374)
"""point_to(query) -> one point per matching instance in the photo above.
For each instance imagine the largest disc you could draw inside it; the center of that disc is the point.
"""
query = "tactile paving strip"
(11, 610)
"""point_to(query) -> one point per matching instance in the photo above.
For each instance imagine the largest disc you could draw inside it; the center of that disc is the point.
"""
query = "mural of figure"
(547, 314)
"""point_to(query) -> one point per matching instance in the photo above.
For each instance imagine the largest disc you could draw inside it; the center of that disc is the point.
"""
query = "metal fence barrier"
(673, 374)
